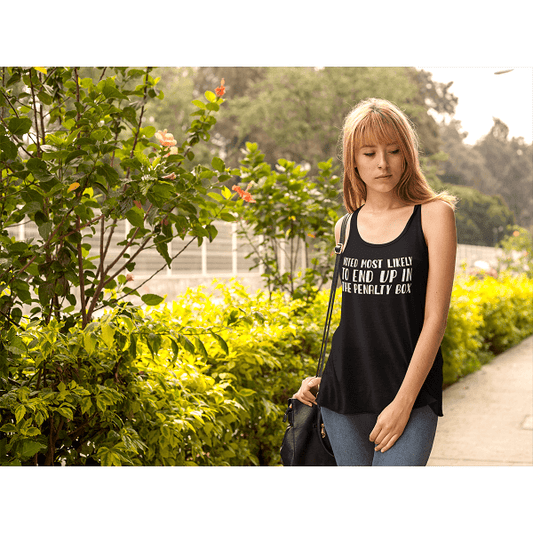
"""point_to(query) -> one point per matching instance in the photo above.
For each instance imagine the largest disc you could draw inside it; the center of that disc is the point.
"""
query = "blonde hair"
(375, 121)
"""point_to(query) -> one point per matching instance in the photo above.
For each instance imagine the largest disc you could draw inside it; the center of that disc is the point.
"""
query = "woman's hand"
(308, 391)
(389, 426)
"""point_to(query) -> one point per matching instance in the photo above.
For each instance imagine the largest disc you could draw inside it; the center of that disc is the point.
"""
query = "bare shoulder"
(436, 214)
(438, 220)
(438, 209)
(338, 229)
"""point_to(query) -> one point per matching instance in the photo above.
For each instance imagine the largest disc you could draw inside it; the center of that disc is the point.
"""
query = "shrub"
(203, 380)
(487, 316)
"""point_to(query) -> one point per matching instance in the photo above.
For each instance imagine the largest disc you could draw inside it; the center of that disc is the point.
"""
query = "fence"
(222, 259)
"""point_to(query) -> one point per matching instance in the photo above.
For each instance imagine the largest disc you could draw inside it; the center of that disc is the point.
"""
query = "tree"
(464, 165)
(76, 159)
(511, 164)
(481, 219)
(297, 113)
(293, 218)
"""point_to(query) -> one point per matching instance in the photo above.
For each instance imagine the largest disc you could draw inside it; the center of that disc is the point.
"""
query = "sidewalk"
(488, 415)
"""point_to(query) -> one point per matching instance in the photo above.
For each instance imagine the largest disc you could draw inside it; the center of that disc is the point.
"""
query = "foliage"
(173, 112)
(487, 316)
(517, 251)
(511, 163)
(190, 383)
(184, 385)
(296, 113)
(76, 160)
(290, 218)
(481, 219)
(494, 165)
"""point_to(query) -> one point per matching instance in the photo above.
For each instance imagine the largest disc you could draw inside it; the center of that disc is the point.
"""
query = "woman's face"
(380, 166)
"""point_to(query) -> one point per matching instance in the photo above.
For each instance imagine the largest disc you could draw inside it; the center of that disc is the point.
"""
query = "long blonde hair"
(376, 121)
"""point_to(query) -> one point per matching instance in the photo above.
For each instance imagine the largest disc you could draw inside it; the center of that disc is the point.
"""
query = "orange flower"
(221, 90)
(245, 195)
(166, 139)
(516, 233)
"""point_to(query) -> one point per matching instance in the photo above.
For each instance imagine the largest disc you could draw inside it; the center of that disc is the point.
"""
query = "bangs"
(375, 129)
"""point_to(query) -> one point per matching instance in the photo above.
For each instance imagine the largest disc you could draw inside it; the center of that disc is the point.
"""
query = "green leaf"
(73, 155)
(45, 98)
(215, 196)
(186, 343)
(218, 164)
(89, 342)
(20, 411)
(19, 126)
(227, 217)
(85, 404)
(161, 245)
(108, 335)
(226, 193)
(31, 447)
(8, 148)
(152, 299)
(66, 412)
(45, 230)
(210, 96)
(200, 347)
(221, 342)
(198, 103)
(31, 432)
(36, 166)
(135, 217)
(148, 131)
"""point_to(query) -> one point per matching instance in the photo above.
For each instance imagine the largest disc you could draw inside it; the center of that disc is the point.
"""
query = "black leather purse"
(305, 442)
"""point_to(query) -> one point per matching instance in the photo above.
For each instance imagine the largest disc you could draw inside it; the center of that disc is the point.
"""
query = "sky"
(483, 95)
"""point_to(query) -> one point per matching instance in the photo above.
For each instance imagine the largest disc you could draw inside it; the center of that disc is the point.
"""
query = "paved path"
(488, 415)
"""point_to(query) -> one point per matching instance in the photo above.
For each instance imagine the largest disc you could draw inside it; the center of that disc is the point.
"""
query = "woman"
(381, 391)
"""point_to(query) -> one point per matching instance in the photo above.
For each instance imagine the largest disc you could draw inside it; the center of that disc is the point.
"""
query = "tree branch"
(35, 115)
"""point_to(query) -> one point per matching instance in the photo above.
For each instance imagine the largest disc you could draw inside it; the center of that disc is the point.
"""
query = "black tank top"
(383, 302)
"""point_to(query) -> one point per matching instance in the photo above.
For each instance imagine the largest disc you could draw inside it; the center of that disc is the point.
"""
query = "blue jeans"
(348, 435)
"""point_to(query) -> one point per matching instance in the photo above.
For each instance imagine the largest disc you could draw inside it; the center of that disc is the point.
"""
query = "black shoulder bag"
(305, 442)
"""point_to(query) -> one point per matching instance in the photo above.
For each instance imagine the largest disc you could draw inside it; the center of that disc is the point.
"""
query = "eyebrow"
(374, 146)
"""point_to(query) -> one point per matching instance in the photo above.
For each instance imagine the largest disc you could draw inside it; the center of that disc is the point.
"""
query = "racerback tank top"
(383, 302)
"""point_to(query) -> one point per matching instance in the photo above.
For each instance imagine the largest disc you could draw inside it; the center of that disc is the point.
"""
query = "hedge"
(203, 380)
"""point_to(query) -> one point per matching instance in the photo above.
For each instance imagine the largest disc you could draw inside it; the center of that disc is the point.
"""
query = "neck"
(379, 203)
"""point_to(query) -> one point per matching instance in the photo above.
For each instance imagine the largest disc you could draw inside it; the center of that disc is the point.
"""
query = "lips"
(384, 177)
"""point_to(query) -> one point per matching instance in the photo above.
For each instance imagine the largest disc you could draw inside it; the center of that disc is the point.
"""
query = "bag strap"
(336, 272)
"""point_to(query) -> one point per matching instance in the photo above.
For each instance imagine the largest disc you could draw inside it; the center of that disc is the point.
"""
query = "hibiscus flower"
(221, 90)
(245, 195)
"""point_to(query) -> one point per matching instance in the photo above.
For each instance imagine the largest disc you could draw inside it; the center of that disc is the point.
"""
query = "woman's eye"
(395, 151)
(369, 154)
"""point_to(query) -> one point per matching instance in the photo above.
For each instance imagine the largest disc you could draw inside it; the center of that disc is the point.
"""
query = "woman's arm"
(438, 225)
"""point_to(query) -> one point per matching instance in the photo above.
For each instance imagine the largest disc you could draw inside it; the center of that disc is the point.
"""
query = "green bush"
(203, 380)
(487, 316)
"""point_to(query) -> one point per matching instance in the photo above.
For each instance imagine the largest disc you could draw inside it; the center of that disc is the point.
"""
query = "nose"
(383, 162)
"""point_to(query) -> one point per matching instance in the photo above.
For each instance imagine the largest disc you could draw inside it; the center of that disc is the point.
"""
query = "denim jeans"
(348, 435)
